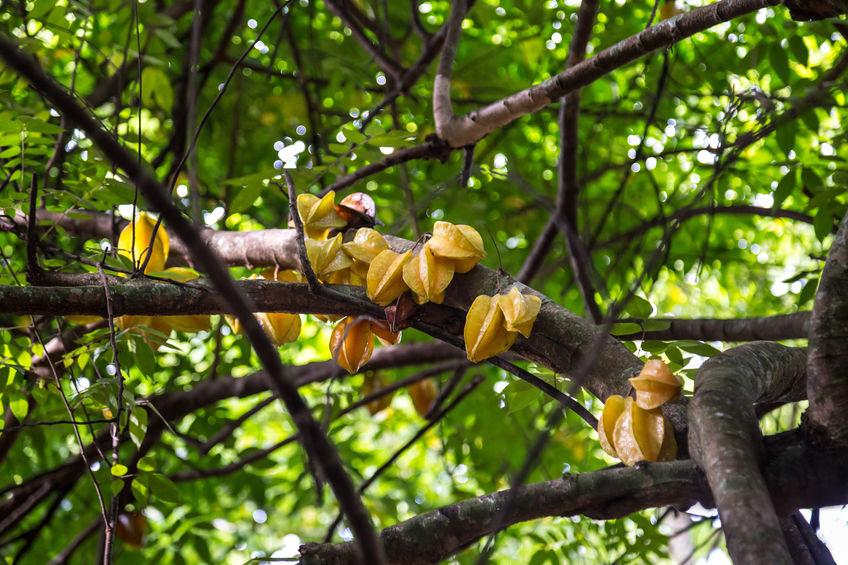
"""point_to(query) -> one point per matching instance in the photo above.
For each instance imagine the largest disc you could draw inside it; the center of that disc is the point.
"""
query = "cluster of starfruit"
(423, 394)
(367, 260)
(636, 430)
(493, 322)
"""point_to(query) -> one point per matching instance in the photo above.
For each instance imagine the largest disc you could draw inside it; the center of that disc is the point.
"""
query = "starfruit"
(352, 343)
(131, 528)
(638, 434)
(423, 395)
(327, 258)
(485, 334)
(186, 323)
(281, 327)
(613, 408)
(136, 247)
(427, 276)
(366, 244)
(384, 282)
(380, 328)
(461, 244)
(357, 209)
(668, 450)
(655, 385)
(520, 311)
(282, 275)
(319, 215)
(371, 385)
(669, 9)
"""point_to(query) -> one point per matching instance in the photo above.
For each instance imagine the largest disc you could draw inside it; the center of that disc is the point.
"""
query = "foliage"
(308, 80)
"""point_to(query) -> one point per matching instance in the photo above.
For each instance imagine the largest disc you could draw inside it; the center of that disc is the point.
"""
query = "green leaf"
(138, 425)
(808, 292)
(245, 198)
(799, 49)
(156, 88)
(823, 223)
(20, 408)
(784, 188)
(119, 470)
(116, 486)
(786, 137)
(41, 8)
(625, 328)
(147, 463)
(638, 307)
(780, 62)
(162, 488)
(698, 348)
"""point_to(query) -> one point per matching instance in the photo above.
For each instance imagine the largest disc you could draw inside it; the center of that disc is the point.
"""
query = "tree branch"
(724, 438)
(685, 214)
(766, 328)
(827, 362)
(470, 128)
(791, 471)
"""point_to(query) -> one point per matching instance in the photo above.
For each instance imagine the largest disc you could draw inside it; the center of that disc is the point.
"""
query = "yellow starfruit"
(459, 243)
(427, 276)
(655, 385)
(423, 395)
(281, 327)
(485, 334)
(134, 243)
(381, 329)
(371, 385)
(187, 323)
(319, 215)
(613, 408)
(638, 434)
(520, 311)
(668, 450)
(282, 275)
(352, 343)
(384, 282)
(326, 257)
(366, 245)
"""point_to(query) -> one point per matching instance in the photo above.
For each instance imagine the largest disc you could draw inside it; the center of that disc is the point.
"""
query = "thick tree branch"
(560, 339)
(312, 437)
(827, 385)
(797, 476)
(460, 131)
(725, 440)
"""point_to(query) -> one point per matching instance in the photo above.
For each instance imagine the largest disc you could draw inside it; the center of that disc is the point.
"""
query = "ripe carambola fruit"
(352, 343)
(319, 215)
(385, 277)
(372, 384)
(134, 244)
(520, 311)
(655, 385)
(485, 334)
(461, 244)
(423, 395)
(427, 276)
